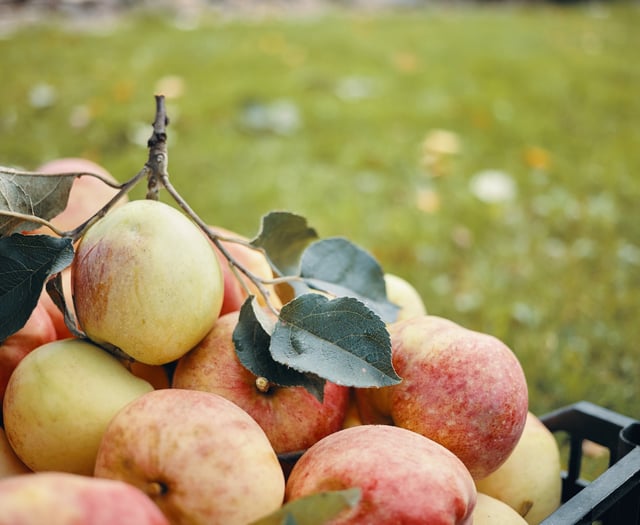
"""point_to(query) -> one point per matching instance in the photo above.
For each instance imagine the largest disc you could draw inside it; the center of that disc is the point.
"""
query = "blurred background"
(488, 152)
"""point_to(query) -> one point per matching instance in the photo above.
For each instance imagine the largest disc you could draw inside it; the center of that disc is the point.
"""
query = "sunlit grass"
(546, 96)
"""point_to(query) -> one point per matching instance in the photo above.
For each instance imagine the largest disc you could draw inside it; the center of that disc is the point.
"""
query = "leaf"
(316, 509)
(55, 290)
(341, 340)
(252, 341)
(284, 236)
(341, 268)
(26, 261)
(44, 196)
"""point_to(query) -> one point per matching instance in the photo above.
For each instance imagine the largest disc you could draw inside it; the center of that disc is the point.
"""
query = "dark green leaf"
(44, 196)
(315, 509)
(284, 236)
(341, 340)
(252, 341)
(26, 261)
(341, 268)
(55, 290)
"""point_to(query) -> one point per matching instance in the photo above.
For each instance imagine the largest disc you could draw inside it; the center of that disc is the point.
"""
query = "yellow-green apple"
(492, 511)
(10, 463)
(37, 331)
(146, 280)
(462, 388)
(292, 418)
(87, 196)
(199, 456)
(403, 477)
(404, 295)
(60, 498)
(255, 261)
(529, 480)
(59, 400)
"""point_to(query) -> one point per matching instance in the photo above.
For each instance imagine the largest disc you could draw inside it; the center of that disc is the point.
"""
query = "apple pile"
(151, 418)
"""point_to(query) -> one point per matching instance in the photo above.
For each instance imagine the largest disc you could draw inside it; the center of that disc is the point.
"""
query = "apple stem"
(262, 384)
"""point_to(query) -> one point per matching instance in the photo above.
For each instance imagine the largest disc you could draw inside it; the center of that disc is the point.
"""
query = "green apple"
(60, 498)
(529, 480)
(146, 280)
(59, 401)
(200, 457)
(492, 511)
(404, 295)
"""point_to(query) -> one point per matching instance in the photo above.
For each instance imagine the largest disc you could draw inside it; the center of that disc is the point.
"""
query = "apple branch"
(158, 177)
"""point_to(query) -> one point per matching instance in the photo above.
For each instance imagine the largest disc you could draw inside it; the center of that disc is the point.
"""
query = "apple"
(87, 196)
(156, 375)
(199, 456)
(59, 400)
(404, 295)
(10, 463)
(462, 388)
(37, 331)
(146, 280)
(292, 418)
(529, 480)
(60, 498)
(404, 477)
(492, 511)
(255, 261)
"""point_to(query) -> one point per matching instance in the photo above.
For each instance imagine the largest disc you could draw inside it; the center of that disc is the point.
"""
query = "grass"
(545, 95)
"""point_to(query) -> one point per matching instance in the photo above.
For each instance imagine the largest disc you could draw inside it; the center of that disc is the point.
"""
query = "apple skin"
(529, 480)
(492, 511)
(292, 418)
(404, 295)
(38, 330)
(200, 457)
(146, 280)
(59, 400)
(462, 388)
(62, 331)
(252, 260)
(58, 498)
(10, 464)
(404, 477)
(87, 196)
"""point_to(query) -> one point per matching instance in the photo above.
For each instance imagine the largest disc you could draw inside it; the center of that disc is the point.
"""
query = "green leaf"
(316, 509)
(26, 262)
(252, 341)
(28, 193)
(341, 340)
(338, 266)
(284, 236)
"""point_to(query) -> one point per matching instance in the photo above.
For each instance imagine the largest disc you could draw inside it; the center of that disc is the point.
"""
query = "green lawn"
(326, 117)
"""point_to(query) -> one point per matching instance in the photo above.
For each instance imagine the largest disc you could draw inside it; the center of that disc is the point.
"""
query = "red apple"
(404, 477)
(200, 457)
(37, 331)
(292, 418)
(462, 388)
(57, 498)
(88, 194)
(10, 463)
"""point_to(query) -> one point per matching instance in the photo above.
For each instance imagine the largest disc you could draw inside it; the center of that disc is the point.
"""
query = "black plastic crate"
(613, 498)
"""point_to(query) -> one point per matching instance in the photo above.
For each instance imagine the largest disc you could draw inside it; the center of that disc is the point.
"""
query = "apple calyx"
(156, 489)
